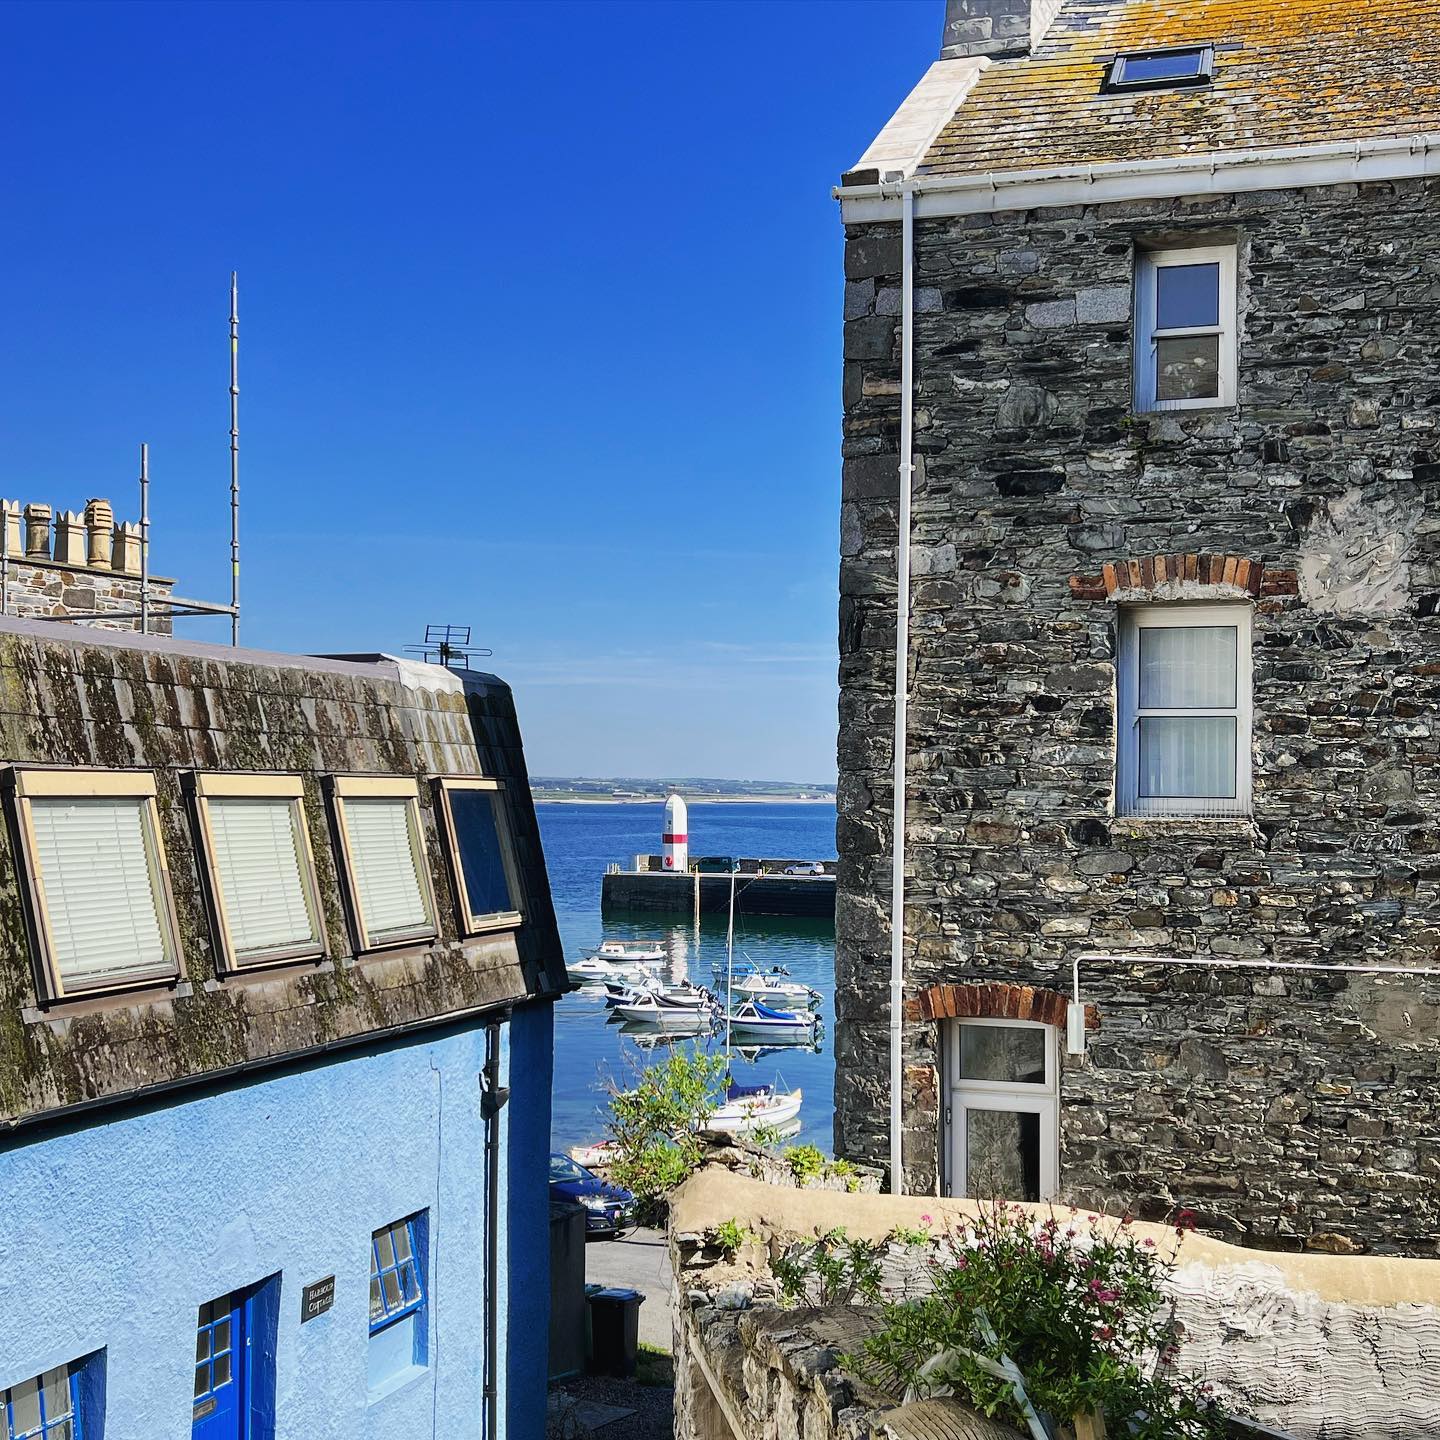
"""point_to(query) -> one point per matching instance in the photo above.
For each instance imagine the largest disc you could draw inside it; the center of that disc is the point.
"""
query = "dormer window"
(1161, 69)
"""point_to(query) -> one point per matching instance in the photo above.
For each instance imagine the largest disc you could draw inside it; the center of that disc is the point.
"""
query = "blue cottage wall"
(116, 1231)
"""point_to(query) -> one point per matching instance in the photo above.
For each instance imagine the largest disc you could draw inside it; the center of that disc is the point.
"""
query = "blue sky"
(540, 316)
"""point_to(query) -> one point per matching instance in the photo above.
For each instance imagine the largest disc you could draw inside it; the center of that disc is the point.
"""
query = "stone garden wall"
(1289, 1109)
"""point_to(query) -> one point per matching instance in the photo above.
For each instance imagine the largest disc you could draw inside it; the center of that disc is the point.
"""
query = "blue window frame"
(397, 1283)
(218, 1354)
(45, 1408)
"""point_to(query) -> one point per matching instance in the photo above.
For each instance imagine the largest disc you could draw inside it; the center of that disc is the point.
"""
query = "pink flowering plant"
(1078, 1305)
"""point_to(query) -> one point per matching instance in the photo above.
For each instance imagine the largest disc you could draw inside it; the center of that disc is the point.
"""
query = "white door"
(1002, 1138)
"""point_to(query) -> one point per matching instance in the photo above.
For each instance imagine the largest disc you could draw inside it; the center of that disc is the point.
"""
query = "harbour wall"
(755, 894)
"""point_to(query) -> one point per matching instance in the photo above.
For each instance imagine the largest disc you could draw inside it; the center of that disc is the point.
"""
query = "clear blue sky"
(540, 332)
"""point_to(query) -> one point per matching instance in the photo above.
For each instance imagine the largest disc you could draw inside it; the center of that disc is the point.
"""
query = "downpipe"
(902, 681)
(493, 1099)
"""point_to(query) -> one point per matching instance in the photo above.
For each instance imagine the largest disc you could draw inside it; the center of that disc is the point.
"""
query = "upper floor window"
(482, 854)
(1161, 69)
(383, 850)
(98, 890)
(1185, 329)
(261, 871)
(1183, 737)
(45, 1408)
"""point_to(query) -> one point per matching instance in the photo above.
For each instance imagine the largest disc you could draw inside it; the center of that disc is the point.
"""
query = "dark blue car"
(609, 1209)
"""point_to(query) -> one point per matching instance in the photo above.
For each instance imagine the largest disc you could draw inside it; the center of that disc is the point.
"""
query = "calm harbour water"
(580, 840)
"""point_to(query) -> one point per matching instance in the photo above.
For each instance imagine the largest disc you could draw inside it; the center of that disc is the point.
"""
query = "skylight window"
(1161, 69)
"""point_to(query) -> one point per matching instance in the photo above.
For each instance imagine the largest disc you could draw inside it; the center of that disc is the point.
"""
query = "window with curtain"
(98, 894)
(1183, 742)
(262, 875)
(1185, 329)
(385, 864)
(481, 847)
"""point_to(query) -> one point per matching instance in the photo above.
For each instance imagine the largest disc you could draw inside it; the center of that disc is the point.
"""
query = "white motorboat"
(594, 971)
(748, 1108)
(752, 1017)
(628, 952)
(651, 1008)
(596, 1156)
(773, 991)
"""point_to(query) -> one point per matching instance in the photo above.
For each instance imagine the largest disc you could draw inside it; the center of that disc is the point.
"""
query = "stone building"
(1143, 301)
(277, 963)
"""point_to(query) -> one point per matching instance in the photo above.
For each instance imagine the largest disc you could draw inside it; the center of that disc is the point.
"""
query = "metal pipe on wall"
(493, 1098)
(902, 672)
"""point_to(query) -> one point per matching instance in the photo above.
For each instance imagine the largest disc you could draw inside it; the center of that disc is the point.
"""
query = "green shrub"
(806, 1162)
(730, 1235)
(656, 1127)
(832, 1270)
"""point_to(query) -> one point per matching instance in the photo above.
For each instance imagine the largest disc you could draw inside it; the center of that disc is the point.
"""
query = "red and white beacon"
(675, 842)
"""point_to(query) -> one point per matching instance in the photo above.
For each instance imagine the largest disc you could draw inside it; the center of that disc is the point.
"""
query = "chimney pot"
(37, 532)
(100, 533)
(70, 538)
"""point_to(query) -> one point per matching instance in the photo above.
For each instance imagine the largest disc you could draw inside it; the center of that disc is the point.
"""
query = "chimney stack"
(995, 28)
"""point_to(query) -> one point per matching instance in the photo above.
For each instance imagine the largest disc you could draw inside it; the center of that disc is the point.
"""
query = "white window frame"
(290, 788)
(1131, 621)
(370, 787)
(1042, 1100)
(472, 922)
(1148, 264)
(27, 785)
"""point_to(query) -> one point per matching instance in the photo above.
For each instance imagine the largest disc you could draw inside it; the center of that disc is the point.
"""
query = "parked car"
(805, 867)
(610, 1209)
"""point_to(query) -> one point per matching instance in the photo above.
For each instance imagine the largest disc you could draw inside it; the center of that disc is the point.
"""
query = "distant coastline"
(556, 797)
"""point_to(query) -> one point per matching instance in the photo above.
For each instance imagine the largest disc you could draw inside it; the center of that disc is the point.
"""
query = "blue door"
(221, 1355)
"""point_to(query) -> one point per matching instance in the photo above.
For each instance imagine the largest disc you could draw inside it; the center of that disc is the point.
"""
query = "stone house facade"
(1173, 656)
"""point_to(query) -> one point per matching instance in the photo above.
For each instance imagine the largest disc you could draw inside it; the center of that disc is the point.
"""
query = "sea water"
(593, 1052)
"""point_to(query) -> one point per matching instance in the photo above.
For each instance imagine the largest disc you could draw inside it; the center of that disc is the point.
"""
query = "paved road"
(642, 1262)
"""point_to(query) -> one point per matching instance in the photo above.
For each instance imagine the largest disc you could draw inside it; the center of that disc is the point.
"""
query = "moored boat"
(653, 1008)
(752, 1017)
(631, 952)
(748, 1108)
(594, 971)
(772, 991)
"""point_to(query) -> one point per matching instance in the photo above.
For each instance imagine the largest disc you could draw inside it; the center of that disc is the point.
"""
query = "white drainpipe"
(902, 669)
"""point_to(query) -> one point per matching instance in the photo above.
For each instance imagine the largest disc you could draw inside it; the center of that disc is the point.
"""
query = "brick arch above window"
(1184, 577)
(998, 1000)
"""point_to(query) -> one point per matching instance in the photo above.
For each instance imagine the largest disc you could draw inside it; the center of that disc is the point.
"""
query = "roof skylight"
(1161, 69)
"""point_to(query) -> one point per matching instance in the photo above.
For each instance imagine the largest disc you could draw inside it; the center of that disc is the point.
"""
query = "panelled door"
(222, 1408)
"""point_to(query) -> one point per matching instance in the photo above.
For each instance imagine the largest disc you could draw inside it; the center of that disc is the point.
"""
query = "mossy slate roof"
(1287, 72)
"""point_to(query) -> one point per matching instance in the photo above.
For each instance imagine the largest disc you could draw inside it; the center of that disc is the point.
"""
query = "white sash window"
(385, 866)
(1185, 329)
(98, 892)
(1183, 741)
(261, 871)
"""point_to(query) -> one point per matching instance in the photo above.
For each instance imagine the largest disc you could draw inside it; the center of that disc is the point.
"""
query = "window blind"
(99, 888)
(382, 859)
(261, 873)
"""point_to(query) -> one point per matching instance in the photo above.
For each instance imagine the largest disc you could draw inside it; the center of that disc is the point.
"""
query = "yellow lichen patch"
(1287, 72)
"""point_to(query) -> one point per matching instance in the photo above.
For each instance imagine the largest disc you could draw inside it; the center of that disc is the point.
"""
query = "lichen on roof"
(1287, 72)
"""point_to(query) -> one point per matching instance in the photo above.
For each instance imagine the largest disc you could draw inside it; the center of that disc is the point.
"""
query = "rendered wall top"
(72, 697)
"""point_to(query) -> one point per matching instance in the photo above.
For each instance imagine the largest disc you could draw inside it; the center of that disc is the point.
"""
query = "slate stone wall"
(1288, 1108)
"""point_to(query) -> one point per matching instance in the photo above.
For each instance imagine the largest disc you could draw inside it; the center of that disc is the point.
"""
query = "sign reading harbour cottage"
(317, 1298)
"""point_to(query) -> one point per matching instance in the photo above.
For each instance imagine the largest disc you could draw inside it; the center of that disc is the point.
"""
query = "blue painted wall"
(114, 1234)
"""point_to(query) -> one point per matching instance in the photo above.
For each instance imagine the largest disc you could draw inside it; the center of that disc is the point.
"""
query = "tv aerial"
(447, 644)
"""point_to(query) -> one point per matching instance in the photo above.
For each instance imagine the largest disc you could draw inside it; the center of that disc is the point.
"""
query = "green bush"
(656, 1127)
(806, 1162)
(833, 1270)
(730, 1235)
(1081, 1312)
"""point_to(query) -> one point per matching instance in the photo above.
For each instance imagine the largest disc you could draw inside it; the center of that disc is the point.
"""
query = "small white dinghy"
(748, 1108)
(594, 971)
(626, 952)
(754, 1018)
(596, 1156)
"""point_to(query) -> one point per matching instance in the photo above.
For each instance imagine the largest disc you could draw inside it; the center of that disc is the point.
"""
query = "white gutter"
(1217, 172)
(902, 672)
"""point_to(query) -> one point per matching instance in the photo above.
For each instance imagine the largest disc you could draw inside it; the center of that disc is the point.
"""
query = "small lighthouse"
(675, 841)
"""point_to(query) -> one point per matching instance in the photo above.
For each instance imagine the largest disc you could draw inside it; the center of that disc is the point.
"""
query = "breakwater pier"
(761, 887)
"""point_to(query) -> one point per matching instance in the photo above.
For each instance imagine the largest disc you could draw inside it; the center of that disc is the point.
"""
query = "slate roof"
(1287, 72)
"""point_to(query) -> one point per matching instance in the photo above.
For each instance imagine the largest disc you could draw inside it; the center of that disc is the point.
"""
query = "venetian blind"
(99, 888)
(382, 859)
(258, 862)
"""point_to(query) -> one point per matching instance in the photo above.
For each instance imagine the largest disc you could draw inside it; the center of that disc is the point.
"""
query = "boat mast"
(730, 964)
